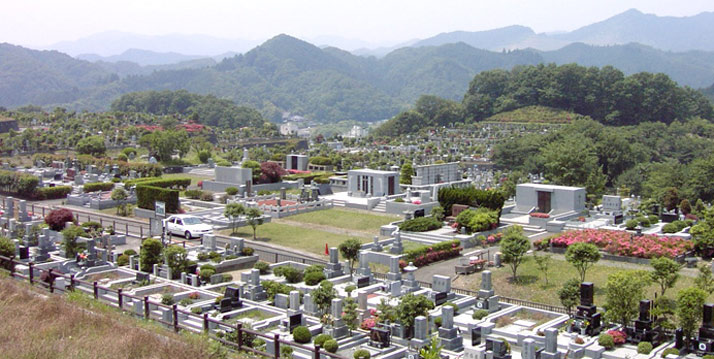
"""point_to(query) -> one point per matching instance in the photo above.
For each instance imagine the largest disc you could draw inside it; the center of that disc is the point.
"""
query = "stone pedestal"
(253, 290)
(394, 274)
(375, 244)
(338, 329)
(397, 247)
(486, 299)
(334, 268)
(448, 335)
(421, 336)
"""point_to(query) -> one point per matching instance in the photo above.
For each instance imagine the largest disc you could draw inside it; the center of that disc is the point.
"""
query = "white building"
(288, 129)
(372, 183)
(551, 199)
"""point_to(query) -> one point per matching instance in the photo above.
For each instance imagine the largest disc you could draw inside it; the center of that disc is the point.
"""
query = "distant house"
(7, 124)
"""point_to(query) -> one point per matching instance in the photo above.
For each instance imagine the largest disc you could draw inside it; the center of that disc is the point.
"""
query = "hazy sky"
(43, 22)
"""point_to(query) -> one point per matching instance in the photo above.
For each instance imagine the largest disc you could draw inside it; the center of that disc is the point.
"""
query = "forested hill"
(207, 110)
(604, 94)
(288, 74)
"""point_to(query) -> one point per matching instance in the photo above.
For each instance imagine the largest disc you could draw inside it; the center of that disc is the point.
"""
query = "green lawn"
(301, 238)
(345, 219)
(531, 285)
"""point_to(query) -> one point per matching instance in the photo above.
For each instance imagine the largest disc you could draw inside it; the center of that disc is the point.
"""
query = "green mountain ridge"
(330, 85)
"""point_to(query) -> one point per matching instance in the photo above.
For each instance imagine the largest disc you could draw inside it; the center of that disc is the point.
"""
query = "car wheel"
(187, 235)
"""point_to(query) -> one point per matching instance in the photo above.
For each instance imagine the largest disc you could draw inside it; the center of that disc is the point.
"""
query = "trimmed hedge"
(318, 177)
(56, 192)
(148, 195)
(150, 190)
(98, 186)
(421, 224)
(471, 196)
(179, 183)
(17, 183)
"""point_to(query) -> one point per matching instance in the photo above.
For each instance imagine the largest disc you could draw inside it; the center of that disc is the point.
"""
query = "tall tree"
(689, 310)
(349, 250)
(624, 290)
(666, 273)
(582, 256)
(254, 217)
(514, 246)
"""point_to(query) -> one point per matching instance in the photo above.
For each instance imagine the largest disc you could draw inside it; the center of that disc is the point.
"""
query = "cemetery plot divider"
(115, 298)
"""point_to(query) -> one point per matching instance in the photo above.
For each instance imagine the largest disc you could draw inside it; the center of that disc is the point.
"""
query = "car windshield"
(191, 220)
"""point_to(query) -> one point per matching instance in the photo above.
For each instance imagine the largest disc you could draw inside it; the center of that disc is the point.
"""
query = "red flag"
(327, 250)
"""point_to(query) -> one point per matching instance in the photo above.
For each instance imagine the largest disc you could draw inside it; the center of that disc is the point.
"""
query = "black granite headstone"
(24, 252)
(475, 336)
(645, 306)
(379, 337)
(586, 293)
(362, 282)
(419, 213)
(440, 298)
(294, 321)
(141, 277)
(707, 315)
(225, 305)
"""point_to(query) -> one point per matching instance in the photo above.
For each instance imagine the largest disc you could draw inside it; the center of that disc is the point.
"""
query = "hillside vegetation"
(329, 85)
(603, 94)
(535, 114)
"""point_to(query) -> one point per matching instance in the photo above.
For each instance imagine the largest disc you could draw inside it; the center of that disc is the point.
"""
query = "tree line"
(603, 94)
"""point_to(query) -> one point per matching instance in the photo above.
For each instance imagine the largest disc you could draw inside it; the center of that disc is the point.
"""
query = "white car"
(187, 226)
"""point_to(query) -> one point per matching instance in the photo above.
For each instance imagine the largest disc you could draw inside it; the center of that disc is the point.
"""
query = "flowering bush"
(368, 324)
(624, 244)
(494, 238)
(539, 215)
(542, 244)
(194, 296)
(618, 336)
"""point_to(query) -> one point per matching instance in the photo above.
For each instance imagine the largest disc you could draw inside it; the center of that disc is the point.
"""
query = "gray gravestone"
(295, 300)
(441, 284)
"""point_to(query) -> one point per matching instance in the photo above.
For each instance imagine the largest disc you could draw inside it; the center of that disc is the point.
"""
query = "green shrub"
(204, 155)
(56, 192)
(197, 310)
(286, 351)
(227, 278)
(653, 219)
(231, 191)
(193, 193)
(437, 322)
(247, 251)
(331, 346)
(631, 224)
(272, 288)
(150, 254)
(263, 267)
(320, 339)
(399, 200)
(123, 260)
(97, 186)
(421, 224)
(453, 305)
(708, 356)
(167, 299)
(7, 247)
(669, 351)
(122, 157)
(480, 314)
(185, 302)
(291, 274)
(606, 341)
(674, 227)
(645, 348)
(644, 222)
(92, 225)
(361, 354)
(206, 272)
(207, 196)
(301, 335)
(350, 288)
(203, 257)
(314, 278)
(482, 220)
(130, 252)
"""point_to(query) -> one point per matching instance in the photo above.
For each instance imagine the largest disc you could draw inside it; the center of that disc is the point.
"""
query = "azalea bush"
(624, 244)
(424, 255)
(539, 215)
(618, 336)
(368, 323)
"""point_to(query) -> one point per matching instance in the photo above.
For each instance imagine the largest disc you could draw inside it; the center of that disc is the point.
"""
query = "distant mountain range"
(329, 84)
(632, 26)
(664, 33)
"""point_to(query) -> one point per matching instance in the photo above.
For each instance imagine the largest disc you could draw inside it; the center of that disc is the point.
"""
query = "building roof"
(371, 171)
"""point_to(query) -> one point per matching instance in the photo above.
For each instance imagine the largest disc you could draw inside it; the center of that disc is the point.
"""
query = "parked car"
(186, 225)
